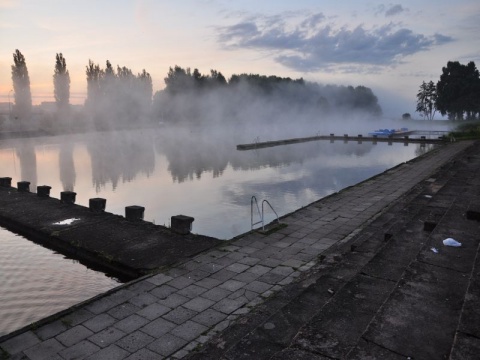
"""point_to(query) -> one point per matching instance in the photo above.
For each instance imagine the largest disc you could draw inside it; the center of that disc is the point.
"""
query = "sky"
(390, 47)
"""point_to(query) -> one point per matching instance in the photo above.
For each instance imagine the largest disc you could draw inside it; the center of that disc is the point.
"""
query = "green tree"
(426, 100)
(179, 80)
(21, 86)
(61, 83)
(458, 91)
(94, 77)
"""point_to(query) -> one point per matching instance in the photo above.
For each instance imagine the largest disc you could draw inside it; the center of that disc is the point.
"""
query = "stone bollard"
(43, 190)
(97, 204)
(332, 135)
(182, 224)
(360, 137)
(423, 138)
(374, 139)
(6, 181)
(134, 212)
(23, 186)
(68, 197)
(345, 138)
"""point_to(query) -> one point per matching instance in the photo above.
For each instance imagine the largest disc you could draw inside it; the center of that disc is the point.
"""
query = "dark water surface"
(36, 282)
(191, 172)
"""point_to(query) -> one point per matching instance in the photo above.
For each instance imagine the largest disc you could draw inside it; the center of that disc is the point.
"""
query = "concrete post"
(360, 137)
(6, 181)
(345, 138)
(23, 186)
(134, 212)
(68, 197)
(182, 224)
(43, 190)
(97, 204)
(374, 139)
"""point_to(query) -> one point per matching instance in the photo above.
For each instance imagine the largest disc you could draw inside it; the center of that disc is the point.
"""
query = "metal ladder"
(261, 214)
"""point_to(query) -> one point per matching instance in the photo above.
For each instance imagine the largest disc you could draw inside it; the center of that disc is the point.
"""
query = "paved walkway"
(169, 314)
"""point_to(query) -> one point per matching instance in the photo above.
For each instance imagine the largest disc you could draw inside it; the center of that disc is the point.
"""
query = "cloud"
(394, 10)
(442, 39)
(390, 10)
(312, 44)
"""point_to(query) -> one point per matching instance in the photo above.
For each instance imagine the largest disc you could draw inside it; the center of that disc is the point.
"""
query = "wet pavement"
(351, 276)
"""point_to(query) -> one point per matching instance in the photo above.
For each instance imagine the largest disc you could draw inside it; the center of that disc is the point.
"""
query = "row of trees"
(110, 93)
(22, 107)
(117, 95)
(192, 95)
(456, 94)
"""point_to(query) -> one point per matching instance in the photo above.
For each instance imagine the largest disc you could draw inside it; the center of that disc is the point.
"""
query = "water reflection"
(120, 156)
(67, 166)
(196, 172)
(191, 154)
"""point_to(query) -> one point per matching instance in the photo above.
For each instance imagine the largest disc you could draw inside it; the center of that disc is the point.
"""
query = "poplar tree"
(21, 86)
(61, 83)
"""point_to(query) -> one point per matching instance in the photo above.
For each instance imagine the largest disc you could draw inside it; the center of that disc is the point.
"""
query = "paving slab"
(274, 295)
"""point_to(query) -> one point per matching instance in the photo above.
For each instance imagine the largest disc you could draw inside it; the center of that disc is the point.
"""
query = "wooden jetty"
(404, 138)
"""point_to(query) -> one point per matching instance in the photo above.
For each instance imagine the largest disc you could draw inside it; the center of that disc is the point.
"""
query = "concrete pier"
(125, 247)
(350, 276)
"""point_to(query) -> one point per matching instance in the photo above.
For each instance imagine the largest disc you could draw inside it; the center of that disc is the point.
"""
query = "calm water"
(199, 174)
(36, 282)
(192, 172)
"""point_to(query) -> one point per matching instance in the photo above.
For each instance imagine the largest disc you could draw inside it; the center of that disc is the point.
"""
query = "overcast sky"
(389, 46)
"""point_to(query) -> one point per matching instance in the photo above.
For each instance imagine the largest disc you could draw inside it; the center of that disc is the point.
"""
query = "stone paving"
(169, 314)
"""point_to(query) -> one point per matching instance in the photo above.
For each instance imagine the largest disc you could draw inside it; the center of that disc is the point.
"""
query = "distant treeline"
(117, 97)
(190, 96)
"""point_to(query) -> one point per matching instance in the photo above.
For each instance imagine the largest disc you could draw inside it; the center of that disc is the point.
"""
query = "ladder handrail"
(251, 212)
(261, 214)
(271, 207)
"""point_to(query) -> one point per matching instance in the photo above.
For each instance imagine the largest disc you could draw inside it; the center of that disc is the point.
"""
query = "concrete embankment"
(125, 248)
(350, 276)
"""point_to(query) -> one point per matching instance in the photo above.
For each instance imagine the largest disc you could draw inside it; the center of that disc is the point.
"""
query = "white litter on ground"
(451, 242)
(66, 222)
(435, 250)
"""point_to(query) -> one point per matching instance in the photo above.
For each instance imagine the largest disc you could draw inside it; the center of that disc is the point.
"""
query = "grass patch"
(275, 228)
(467, 131)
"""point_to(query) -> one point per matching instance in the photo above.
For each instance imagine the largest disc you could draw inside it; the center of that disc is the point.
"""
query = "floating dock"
(403, 138)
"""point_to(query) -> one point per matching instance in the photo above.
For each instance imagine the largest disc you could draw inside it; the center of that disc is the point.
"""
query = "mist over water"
(191, 168)
(197, 171)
